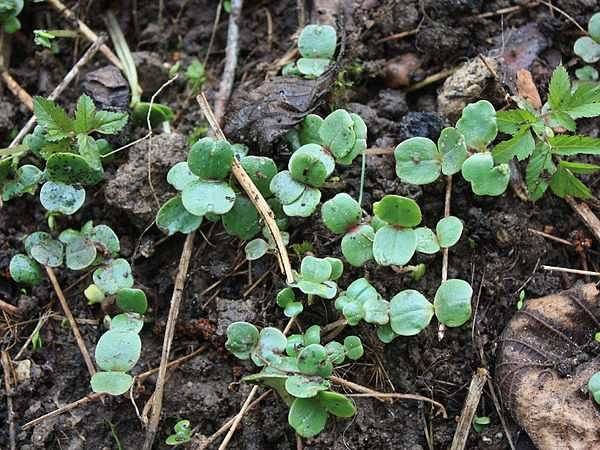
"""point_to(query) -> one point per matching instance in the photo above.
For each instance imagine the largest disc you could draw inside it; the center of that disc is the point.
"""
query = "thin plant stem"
(363, 168)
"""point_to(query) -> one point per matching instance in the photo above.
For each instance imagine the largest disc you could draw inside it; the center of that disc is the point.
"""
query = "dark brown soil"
(497, 253)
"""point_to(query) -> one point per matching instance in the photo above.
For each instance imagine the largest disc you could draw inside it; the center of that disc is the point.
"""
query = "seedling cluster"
(537, 135)
(316, 46)
(588, 49)
(9, 10)
(298, 368)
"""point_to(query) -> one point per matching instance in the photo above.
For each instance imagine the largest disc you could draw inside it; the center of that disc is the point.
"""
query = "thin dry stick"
(382, 396)
(12, 431)
(447, 201)
(9, 309)
(65, 306)
(398, 36)
(87, 32)
(17, 90)
(567, 270)
(469, 408)
(82, 401)
(551, 237)
(43, 319)
(238, 418)
(560, 11)
(432, 79)
(253, 193)
(500, 414)
(69, 77)
(176, 362)
(205, 442)
(586, 214)
(508, 10)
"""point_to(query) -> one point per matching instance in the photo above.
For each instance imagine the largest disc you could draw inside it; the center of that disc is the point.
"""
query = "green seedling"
(408, 312)
(396, 239)
(316, 45)
(9, 10)
(594, 387)
(195, 76)
(286, 299)
(342, 215)
(47, 38)
(183, 433)
(588, 47)
(480, 423)
(25, 181)
(159, 114)
(317, 276)
(298, 369)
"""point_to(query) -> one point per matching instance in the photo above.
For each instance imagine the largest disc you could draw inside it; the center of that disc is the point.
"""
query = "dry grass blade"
(469, 408)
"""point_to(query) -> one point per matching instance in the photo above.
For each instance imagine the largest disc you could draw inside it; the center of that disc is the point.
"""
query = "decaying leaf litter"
(488, 255)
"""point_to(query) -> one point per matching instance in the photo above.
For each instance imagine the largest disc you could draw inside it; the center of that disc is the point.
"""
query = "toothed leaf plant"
(298, 368)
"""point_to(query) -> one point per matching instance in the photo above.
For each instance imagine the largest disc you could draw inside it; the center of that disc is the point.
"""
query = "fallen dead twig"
(567, 270)
(432, 79)
(586, 214)
(238, 418)
(469, 408)
(42, 320)
(176, 362)
(551, 237)
(12, 430)
(87, 32)
(65, 307)
(398, 36)
(447, 201)
(508, 10)
(17, 90)
(69, 77)
(500, 414)
(82, 401)
(9, 309)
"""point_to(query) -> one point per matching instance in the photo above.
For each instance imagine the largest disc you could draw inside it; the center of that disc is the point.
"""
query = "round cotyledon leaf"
(180, 175)
(307, 417)
(256, 249)
(210, 159)
(243, 220)
(115, 275)
(127, 322)
(305, 205)
(285, 188)
(113, 383)
(172, 217)
(354, 348)
(453, 148)
(594, 386)
(261, 171)
(80, 251)
(337, 133)
(132, 300)
(203, 197)
(452, 302)
(61, 198)
(312, 359)
(311, 165)
(587, 49)
(337, 404)
(341, 213)
(242, 338)
(305, 387)
(317, 41)
(594, 27)
(309, 129)
(478, 124)
(357, 245)
(106, 238)
(118, 350)
(44, 249)
(25, 270)
(427, 241)
(485, 178)
(398, 210)
(271, 346)
(392, 246)
(448, 231)
(417, 161)
(312, 67)
(410, 312)
(71, 168)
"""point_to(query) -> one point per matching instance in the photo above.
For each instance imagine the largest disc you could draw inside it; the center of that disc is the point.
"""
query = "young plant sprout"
(408, 312)
(298, 369)
(588, 47)
(195, 76)
(317, 276)
(47, 38)
(183, 433)
(9, 10)
(396, 239)
(338, 138)
(73, 157)
(93, 246)
(316, 45)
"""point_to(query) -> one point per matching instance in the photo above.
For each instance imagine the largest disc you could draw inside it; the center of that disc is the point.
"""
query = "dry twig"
(586, 214)
(567, 270)
(447, 201)
(469, 408)
(6, 368)
(17, 90)
(82, 401)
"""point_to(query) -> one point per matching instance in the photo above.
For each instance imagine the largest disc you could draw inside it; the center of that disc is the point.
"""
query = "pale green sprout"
(316, 45)
(183, 433)
(453, 302)
(588, 47)
(298, 368)
(286, 299)
(317, 276)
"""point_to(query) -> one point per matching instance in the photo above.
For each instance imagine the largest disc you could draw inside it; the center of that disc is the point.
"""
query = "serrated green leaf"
(566, 145)
(520, 145)
(53, 118)
(579, 167)
(108, 122)
(559, 89)
(84, 115)
(512, 120)
(539, 169)
(564, 183)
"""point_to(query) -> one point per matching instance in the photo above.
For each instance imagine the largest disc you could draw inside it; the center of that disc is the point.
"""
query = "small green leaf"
(295, 343)
(317, 41)
(520, 145)
(315, 269)
(410, 313)
(478, 124)
(354, 347)
(386, 334)
(261, 171)
(62, 198)
(587, 73)
(108, 122)
(256, 249)
(311, 165)
(173, 217)
(452, 302)
(312, 67)
(486, 179)
(427, 241)
(305, 205)
(80, 252)
(94, 294)
(307, 417)
(559, 89)
(539, 169)
(53, 118)
(594, 386)
(202, 197)
(210, 159)
(392, 246)
(313, 360)
(243, 220)
(588, 49)
(453, 148)
(448, 231)
(335, 352)
(337, 404)
(579, 167)
(564, 183)
(357, 245)
(304, 387)
(566, 145)
(594, 27)
(286, 299)
(337, 267)
(513, 120)
(84, 115)
(341, 213)
(25, 182)
(285, 188)
(376, 311)
(132, 300)
(113, 383)
(127, 322)
(312, 335)
(326, 289)
(70, 168)
(271, 346)
(106, 238)
(25, 270)
(242, 338)
(398, 210)
(337, 133)
(45, 250)
(180, 175)
(114, 275)
(309, 130)
(118, 350)
(418, 161)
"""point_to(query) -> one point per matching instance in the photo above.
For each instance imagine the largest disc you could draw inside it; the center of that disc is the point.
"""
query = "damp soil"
(498, 253)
